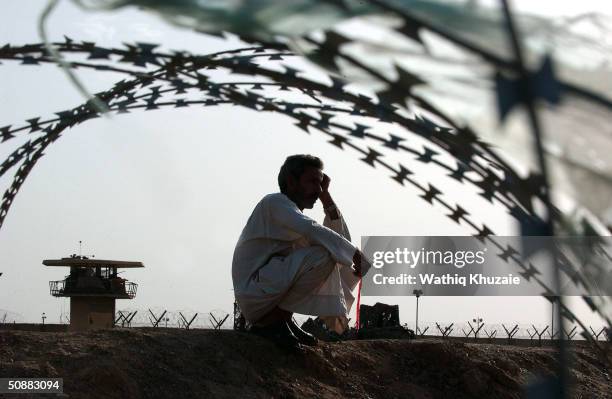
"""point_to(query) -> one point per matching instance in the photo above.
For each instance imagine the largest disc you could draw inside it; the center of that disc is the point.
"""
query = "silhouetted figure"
(286, 262)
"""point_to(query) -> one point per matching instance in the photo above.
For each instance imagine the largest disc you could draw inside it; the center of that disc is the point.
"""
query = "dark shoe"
(279, 333)
(304, 337)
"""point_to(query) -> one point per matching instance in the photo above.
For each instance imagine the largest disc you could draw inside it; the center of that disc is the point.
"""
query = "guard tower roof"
(91, 263)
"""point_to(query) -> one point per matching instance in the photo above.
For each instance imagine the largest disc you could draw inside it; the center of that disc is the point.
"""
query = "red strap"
(358, 304)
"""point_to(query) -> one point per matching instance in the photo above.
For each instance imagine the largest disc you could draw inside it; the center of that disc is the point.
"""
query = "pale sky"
(173, 188)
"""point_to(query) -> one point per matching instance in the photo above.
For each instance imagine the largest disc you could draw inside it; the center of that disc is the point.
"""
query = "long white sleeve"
(338, 225)
(289, 216)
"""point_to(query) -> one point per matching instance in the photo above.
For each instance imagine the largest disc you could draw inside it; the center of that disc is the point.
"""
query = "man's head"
(300, 179)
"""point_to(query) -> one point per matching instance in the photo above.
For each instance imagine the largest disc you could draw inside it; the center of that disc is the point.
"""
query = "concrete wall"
(89, 313)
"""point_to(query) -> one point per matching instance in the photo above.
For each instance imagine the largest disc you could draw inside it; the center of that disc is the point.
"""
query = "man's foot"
(280, 333)
(304, 337)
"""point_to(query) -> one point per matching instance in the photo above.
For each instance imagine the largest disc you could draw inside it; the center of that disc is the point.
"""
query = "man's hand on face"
(360, 263)
(325, 183)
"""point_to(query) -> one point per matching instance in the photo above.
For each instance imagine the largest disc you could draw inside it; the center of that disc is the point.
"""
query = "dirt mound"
(171, 363)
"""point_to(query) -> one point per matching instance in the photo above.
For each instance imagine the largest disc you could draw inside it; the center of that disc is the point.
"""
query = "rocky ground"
(172, 363)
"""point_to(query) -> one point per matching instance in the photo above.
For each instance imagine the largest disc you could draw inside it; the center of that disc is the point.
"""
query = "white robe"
(284, 258)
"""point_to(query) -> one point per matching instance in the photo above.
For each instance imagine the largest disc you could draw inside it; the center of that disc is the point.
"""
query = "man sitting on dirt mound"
(286, 262)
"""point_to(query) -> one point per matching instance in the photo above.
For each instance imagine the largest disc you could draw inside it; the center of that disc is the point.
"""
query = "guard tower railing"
(57, 287)
(130, 289)
(121, 289)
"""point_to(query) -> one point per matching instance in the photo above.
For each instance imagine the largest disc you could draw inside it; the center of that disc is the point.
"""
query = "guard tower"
(92, 286)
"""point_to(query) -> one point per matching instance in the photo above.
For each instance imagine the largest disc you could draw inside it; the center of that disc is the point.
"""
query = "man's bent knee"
(319, 256)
